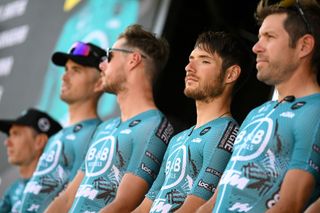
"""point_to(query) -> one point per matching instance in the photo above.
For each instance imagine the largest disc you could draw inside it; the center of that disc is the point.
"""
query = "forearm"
(208, 206)
(314, 208)
(116, 207)
(191, 204)
(144, 207)
(59, 204)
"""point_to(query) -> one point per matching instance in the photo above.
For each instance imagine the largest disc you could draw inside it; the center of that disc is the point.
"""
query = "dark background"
(185, 21)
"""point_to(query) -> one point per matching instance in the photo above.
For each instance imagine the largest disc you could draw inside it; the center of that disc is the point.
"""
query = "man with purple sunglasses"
(63, 155)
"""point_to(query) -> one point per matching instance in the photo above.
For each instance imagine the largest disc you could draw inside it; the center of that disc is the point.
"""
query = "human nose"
(65, 75)
(257, 47)
(189, 67)
(7, 142)
(103, 65)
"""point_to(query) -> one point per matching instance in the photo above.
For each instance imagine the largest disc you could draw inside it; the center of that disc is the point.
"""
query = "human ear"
(232, 73)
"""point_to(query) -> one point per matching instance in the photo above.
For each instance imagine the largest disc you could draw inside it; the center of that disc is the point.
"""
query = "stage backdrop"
(31, 30)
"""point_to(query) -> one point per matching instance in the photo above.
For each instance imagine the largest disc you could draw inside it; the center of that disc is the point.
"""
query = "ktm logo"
(233, 178)
(159, 205)
(87, 191)
(240, 207)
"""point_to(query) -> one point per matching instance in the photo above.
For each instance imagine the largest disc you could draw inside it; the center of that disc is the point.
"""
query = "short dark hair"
(295, 25)
(231, 50)
(157, 49)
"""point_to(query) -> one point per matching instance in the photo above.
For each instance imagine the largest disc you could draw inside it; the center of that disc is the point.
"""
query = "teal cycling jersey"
(61, 158)
(274, 138)
(193, 164)
(11, 200)
(134, 146)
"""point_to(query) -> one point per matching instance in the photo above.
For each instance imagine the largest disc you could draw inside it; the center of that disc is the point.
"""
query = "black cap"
(86, 54)
(40, 121)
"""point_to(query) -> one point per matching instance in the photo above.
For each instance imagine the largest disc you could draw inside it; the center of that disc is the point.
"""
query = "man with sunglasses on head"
(27, 136)
(81, 89)
(126, 152)
(276, 159)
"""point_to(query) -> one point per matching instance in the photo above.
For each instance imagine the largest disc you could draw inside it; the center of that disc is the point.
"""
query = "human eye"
(206, 62)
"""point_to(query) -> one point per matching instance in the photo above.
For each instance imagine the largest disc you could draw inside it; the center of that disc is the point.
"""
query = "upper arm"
(149, 148)
(157, 184)
(216, 154)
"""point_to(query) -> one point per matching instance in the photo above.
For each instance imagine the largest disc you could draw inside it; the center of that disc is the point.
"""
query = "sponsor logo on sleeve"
(165, 131)
(213, 171)
(207, 186)
(152, 157)
(148, 170)
(229, 137)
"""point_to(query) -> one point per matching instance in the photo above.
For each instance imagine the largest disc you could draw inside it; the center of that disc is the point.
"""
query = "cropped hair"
(156, 49)
(231, 50)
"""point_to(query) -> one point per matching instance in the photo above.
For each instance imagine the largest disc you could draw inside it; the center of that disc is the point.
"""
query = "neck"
(300, 84)
(208, 111)
(82, 111)
(135, 101)
(26, 171)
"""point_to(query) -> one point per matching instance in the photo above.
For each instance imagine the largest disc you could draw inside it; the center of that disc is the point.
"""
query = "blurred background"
(31, 30)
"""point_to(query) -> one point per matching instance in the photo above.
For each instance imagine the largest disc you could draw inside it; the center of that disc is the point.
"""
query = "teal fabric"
(193, 164)
(62, 157)
(134, 146)
(273, 139)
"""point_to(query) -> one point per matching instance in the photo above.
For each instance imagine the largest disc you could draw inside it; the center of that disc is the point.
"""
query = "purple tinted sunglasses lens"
(80, 49)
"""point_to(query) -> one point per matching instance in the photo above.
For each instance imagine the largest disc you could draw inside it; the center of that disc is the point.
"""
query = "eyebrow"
(200, 56)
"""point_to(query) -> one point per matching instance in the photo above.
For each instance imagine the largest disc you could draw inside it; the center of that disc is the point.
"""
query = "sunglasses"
(83, 49)
(296, 5)
(110, 55)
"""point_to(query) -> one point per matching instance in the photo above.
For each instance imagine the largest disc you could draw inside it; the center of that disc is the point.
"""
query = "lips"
(190, 79)
(64, 87)
(9, 152)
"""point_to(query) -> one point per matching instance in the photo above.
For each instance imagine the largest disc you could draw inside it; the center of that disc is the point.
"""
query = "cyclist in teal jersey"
(27, 137)
(66, 150)
(196, 157)
(126, 152)
(275, 166)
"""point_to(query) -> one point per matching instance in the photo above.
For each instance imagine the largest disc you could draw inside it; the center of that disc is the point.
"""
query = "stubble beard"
(207, 93)
(275, 74)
